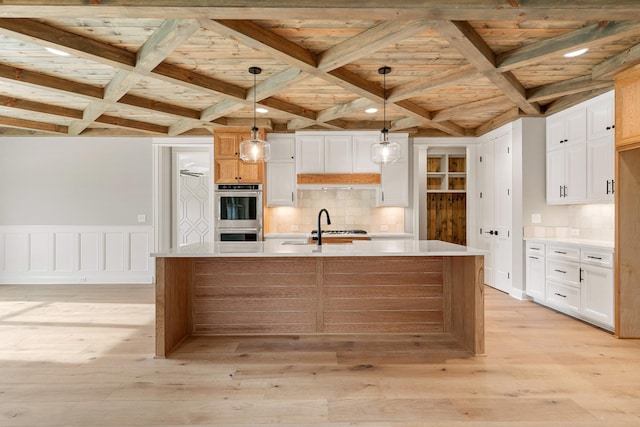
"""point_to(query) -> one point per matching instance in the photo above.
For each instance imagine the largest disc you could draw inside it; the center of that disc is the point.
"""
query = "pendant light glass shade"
(255, 150)
(385, 151)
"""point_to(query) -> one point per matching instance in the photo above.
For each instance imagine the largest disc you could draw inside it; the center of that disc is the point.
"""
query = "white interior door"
(503, 254)
(191, 219)
(486, 178)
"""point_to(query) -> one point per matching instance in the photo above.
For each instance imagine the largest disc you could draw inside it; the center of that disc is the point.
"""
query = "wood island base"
(230, 296)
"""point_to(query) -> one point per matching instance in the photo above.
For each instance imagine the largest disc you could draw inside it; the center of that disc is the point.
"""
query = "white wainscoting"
(76, 254)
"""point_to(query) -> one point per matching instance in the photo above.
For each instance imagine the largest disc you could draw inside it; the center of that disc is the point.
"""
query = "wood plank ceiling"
(157, 67)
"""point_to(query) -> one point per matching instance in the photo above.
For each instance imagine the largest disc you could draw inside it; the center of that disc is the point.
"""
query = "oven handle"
(239, 193)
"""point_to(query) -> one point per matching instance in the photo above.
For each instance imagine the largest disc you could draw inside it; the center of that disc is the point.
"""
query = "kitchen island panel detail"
(438, 296)
(240, 296)
(400, 294)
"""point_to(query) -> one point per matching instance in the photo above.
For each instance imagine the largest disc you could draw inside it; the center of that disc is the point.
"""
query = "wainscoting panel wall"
(76, 254)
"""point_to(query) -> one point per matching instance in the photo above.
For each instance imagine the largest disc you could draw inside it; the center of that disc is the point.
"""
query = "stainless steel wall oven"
(238, 212)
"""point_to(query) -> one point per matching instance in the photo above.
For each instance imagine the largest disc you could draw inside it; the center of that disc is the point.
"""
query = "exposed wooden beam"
(32, 125)
(570, 101)
(439, 81)
(502, 119)
(566, 87)
(468, 42)
(469, 108)
(170, 35)
(593, 35)
(468, 10)
(619, 63)
(372, 40)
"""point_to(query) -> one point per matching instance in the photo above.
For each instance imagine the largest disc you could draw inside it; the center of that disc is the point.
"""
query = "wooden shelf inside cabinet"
(446, 173)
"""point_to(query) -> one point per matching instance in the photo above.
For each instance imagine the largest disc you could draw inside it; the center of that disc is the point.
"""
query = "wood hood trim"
(340, 178)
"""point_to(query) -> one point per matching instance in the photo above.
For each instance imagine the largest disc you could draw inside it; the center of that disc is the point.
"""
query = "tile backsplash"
(593, 222)
(349, 209)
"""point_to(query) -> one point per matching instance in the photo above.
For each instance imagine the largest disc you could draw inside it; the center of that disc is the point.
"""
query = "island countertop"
(287, 248)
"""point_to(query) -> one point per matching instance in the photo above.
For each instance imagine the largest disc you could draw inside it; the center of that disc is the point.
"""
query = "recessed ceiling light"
(56, 51)
(576, 53)
(261, 110)
(371, 110)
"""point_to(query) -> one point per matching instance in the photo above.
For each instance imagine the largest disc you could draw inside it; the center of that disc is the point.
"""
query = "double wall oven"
(238, 212)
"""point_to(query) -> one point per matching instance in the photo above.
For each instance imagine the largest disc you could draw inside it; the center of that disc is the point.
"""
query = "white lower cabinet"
(596, 294)
(535, 271)
(573, 279)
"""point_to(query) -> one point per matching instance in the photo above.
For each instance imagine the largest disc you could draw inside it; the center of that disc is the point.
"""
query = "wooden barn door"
(447, 217)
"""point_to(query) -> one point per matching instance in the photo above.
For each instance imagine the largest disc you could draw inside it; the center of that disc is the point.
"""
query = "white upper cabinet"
(568, 127)
(281, 171)
(338, 154)
(310, 153)
(283, 147)
(601, 148)
(335, 152)
(600, 117)
(362, 154)
(394, 188)
(580, 153)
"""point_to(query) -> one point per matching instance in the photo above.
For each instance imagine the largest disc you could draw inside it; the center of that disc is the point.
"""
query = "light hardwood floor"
(82, 355)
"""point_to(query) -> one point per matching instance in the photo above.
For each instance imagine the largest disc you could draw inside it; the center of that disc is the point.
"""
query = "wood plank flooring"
(82, 355)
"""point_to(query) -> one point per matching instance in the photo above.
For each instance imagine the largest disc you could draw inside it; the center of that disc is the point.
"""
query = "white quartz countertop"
(572, 241)
(381, 235)
(285, 248)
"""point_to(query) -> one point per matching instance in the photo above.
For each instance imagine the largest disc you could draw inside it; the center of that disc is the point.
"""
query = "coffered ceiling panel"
(458, 68)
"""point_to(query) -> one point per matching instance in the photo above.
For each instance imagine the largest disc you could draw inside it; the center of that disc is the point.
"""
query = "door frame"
(163, 182)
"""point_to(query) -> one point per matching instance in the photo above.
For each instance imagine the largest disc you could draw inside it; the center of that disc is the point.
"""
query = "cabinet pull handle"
(535, 249)
(560, 295)
(581, 279)
(594, 257)
(613, 186)
(533, 257)
(560, 271)
(608, 127)
(560, 252)
(607, 186)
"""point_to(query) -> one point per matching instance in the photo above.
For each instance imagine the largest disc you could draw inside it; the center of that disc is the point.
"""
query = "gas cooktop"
(340, 232)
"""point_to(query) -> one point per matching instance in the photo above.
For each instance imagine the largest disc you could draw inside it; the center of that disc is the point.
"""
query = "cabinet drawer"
(563, 253)
(535, 249)
(563, 272)
(564, 297)
(596, 257)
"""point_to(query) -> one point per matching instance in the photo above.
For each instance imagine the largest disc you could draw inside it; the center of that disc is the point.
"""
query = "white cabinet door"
(535, 277)
(281, 184)
(567, 174)
(362, 155)
(566, 128)
(600, 116)
(338, 154)
(597, 294)
(600, 167)
(282, 147)
(394, 189)
(555, 176)
(576, 173)
(310, 154)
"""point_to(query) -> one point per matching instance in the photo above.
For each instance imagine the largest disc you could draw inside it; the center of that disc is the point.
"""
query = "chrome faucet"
(320, 229)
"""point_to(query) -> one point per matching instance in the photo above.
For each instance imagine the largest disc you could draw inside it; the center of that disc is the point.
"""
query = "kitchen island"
(282, 287)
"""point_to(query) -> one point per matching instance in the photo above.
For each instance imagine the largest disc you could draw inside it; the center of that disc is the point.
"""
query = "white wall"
(75, 181)
(69, 210)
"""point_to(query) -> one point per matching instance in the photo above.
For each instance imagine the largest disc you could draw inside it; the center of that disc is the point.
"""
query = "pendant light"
(255, 150)
(385, 151)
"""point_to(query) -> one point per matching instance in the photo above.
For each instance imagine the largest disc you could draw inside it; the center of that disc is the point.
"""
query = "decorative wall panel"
(76, 254)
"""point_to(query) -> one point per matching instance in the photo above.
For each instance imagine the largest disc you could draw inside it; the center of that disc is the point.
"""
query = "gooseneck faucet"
(319, 228)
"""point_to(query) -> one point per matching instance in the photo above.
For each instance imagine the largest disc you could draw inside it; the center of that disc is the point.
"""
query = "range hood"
(339, 181)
